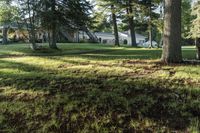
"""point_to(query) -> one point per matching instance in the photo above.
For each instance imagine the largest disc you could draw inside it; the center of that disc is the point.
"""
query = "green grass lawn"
(97, 88)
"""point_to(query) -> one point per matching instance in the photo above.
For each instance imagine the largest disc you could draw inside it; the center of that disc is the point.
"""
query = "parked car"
(1, 39)
(146, 44)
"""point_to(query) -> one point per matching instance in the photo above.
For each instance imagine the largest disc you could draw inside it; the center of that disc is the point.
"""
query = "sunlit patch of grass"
(195, 126)
(96, 88)
(190, 72)
(10, 93)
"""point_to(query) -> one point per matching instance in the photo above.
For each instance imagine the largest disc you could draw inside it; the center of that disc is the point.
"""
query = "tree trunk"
(77, 38)
(150, 36)
(5, 35)
(198, 52)
(150, 27)
(33, 44)
(131, 24)
(197, 44)
(172, 32)
(32, 37)
(115, 26)
(53, 33)
(31, 31)
(53, 37)
(160, 44)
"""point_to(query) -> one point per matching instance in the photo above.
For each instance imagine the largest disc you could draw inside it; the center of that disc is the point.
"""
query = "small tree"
(195, 28)
(186, 18)
(8, 14)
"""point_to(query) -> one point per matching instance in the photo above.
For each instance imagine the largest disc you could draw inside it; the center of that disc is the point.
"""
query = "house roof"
(121, 34)
(136, 34)
(108, 34)
(15, 25)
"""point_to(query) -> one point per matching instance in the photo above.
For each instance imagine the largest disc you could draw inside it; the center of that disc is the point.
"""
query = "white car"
(146, 44)
(1, 39)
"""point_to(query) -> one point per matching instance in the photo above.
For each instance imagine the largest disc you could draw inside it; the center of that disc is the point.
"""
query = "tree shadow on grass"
(96, 52)
(120, 101)
(120, 54)
(20, 66)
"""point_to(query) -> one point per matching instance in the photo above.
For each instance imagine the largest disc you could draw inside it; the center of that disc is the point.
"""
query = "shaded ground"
(94, 88)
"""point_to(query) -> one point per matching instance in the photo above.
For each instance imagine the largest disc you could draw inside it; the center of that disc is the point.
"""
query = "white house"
(140, 39)
(124, 38)
(109, 38)
(106, 37)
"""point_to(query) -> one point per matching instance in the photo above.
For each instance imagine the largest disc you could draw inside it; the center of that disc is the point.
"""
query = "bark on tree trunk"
(53, 38)
(150, 27)
(33, 42)
(53, 33)
(32, 36)
(161, 42)
(115, 26)
(197, 48)
(198, 52)
(131, 24)
(172, 32)
(150, 36)
(5, 35)
(162, 30)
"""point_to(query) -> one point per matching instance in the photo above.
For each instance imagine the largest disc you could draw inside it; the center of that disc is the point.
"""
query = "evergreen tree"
(29, 16)
(149, 7)
(52, 15)
(130, 7)
(111, 5)
(101, 22)
(8, 15)
(114, 19)
(55, 14)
